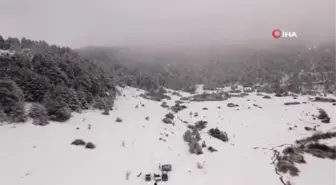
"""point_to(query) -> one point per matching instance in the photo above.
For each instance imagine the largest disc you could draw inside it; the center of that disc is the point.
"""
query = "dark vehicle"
(164, 176)
(148, 177)
(166, 167)
(157, 177)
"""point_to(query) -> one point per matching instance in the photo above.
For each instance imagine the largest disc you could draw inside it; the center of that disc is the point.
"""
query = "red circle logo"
(276, 33)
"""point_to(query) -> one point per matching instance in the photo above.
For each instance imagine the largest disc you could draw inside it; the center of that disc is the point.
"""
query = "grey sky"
(127, 22)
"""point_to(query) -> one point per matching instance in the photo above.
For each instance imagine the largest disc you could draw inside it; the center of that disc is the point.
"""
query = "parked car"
(164, 176)
(157, 177)
(148, 177)
(166, 167)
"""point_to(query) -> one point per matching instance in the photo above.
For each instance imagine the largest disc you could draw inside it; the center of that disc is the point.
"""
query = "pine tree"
(12, 101)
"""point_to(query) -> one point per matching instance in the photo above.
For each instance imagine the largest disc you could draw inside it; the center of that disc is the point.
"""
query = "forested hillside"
(59, 80)
(55, 79)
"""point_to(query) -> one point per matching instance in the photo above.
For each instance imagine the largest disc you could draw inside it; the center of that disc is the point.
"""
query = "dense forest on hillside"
(60, 80)
(55, 79)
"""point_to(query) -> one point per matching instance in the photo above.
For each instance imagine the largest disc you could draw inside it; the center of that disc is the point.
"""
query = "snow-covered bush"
(323, 116)
(164, 105)
(170, 115)
(167, 121)
(59, 102)
(106, 112)
(90, 145)
(216, 133)
(196, 135)
(200, 125)
(65, 97)
(285, 166)
(178, 107)
(187, 136)
(81, 95)
(192, 139)
(195, 147)
(266, 97)
(212, 149)
(60, 114)
(200, 166)
(18, 113)
(37, 110)
(39, 113)
(103, 103)
(232, 105)
(78, 142)
(98, 103)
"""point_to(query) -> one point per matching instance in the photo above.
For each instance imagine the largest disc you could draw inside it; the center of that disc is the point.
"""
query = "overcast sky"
(78, 23)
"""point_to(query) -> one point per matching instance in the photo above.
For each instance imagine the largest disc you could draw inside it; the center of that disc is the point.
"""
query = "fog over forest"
(80, 23)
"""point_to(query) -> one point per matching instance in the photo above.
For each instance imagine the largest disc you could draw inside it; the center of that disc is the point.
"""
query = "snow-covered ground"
(33, 155)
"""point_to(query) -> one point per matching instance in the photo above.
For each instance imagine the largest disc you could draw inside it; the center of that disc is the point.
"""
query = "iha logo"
(277, 34)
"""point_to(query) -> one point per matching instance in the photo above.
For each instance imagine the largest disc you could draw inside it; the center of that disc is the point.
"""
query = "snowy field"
(33, 155)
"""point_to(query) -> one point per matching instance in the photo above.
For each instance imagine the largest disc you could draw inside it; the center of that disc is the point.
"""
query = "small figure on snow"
(155, 183)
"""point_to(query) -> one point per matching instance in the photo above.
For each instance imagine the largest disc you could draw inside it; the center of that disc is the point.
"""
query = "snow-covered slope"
(32, 155)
